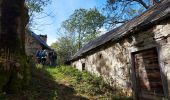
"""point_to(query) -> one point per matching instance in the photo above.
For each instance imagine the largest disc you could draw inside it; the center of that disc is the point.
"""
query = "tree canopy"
(120, 11)
(84, 25)
(35, 6)
(65, 49)
(81, 27)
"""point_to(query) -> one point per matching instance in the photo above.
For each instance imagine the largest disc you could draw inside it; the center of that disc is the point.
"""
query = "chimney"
(154, 2)
(43, 37)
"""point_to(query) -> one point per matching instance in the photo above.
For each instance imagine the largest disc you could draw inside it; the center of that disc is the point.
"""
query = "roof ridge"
(148, 17)
(38, 38)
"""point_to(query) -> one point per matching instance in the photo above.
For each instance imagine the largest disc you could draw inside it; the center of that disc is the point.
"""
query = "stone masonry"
(114, 62)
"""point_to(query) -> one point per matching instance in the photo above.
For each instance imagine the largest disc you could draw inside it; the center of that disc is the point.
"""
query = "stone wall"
(31, 45)
(114, 62)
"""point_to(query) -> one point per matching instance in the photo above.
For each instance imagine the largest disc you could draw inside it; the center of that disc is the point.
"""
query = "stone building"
(135, 56)
(34, 42)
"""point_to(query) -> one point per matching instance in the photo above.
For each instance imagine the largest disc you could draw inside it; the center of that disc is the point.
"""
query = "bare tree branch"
(142, 3)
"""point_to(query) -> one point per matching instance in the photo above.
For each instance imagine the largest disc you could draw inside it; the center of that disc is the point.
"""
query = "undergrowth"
(65, 83)
(87, 84)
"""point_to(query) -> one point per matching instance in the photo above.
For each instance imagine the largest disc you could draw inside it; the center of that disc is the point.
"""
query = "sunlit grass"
(65, 83)
(85, 83)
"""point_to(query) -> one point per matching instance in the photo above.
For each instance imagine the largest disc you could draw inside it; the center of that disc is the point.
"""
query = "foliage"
(120, 11)
(65, 48)
(81, 27)
(84, 25)
(65, 83)
(86, 83)
(35, 6)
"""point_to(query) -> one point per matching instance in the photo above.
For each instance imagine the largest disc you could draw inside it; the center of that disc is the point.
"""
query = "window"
(74, 65)
(100, 56)
(83, 66)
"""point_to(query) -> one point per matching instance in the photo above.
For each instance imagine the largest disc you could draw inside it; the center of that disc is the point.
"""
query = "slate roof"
(39, 40)
(148, 18)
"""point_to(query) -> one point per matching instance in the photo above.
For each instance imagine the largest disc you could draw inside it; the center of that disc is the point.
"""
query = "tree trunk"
(13, 62)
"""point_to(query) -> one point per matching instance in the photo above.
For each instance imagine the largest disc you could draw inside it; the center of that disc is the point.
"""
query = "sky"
(57, 11)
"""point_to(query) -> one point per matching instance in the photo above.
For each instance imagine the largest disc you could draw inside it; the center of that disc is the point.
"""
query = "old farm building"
(34, 42)
(135, 56)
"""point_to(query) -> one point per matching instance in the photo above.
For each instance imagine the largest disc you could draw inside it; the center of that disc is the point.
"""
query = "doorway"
(146, 67)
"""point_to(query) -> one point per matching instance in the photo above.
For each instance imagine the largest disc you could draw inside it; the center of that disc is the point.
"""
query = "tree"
(64, 48)
(84, 25)
(81, 27)
(120, 11)
(14, 72)
(36, 6)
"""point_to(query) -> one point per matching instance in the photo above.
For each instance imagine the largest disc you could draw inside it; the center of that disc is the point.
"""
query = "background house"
(135, 56)
(35, 43)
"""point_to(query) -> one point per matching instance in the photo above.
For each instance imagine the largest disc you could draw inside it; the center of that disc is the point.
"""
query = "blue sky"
(60, 10)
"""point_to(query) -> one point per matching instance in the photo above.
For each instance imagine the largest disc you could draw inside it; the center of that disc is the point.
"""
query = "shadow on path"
(49, 89)
(44, 87)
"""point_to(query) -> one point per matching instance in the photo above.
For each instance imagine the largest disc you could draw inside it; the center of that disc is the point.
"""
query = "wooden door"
(148, 76)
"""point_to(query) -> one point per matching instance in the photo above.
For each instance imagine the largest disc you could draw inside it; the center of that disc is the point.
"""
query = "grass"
(65, 83)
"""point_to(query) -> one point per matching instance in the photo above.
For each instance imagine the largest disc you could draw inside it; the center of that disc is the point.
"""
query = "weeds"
(86, 83)
(65, 83)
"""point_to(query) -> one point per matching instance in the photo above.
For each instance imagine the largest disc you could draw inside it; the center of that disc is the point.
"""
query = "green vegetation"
(84, 25)
(35, 7)
(86, 84)
(65, 83)
(64, 48)
(81, 27)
